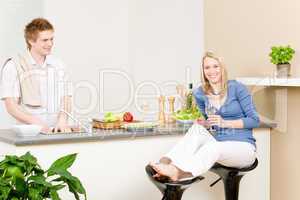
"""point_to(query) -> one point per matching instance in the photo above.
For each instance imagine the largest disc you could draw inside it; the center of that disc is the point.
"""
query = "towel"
(29, 82)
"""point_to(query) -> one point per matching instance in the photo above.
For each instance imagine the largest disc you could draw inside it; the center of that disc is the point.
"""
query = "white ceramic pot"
(283, 70)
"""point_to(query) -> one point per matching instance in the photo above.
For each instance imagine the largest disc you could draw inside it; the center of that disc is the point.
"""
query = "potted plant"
(22, 178)
(281, 57)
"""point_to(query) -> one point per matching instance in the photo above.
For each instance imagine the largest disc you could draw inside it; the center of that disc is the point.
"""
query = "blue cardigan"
(238, 105)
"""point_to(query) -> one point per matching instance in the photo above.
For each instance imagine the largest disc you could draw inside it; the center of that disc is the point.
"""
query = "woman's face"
(212, 70)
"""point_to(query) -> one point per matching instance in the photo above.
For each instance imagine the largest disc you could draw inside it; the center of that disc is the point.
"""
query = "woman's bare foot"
(165, 160)
(185, 175)
(168, 170)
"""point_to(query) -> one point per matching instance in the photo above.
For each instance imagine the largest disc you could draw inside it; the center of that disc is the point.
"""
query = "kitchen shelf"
(270, 81)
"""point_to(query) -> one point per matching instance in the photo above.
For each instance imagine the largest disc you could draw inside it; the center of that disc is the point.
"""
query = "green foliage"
(188, 114)
(22, 178)
(281, 54)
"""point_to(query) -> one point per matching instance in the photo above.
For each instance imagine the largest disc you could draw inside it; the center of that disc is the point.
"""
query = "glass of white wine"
(211, 110)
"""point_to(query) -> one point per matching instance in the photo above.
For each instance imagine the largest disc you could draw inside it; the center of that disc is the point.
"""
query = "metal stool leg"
(173, 193)
(231, 187)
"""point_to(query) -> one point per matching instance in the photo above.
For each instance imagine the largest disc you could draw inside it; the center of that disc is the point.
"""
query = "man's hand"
(62, 126)
(45, 129)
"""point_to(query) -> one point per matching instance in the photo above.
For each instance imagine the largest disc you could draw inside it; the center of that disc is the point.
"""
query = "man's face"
(43, 44)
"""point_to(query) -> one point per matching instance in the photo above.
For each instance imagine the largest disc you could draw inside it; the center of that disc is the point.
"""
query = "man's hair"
(32, 29)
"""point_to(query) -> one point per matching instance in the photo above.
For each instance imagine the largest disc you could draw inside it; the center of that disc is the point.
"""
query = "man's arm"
(66, 106)
(14, 109)
(62, 121)
(10, 94)
(65, 99)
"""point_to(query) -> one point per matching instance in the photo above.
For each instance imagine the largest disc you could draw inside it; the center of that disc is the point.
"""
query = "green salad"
(188, 114)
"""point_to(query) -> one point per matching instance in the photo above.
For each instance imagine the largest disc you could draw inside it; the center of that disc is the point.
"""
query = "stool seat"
(231, 178)
(171, 190)
(245, 169)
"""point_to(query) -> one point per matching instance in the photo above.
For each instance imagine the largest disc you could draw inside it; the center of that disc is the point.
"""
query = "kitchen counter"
(10, 137)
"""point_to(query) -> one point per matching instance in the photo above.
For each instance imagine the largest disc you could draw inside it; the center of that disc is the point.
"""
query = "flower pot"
(283, 70)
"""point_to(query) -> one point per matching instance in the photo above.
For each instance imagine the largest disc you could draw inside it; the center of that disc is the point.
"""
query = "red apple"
(127, 117)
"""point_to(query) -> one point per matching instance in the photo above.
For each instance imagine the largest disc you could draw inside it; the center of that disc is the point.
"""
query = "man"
(33, 85)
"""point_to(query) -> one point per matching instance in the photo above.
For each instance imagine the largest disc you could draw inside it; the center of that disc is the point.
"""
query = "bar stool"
(171, 190)
(231, 178)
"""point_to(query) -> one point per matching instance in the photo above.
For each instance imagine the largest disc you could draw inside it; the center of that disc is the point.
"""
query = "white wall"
(148, 40)
(14, 14)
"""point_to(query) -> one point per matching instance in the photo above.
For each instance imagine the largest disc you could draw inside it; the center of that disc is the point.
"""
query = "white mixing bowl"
(26, 130)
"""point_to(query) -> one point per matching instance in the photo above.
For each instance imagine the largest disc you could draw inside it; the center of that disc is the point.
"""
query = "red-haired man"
(34, 84)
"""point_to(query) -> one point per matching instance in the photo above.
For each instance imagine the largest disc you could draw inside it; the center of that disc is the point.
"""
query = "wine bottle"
(189, 97)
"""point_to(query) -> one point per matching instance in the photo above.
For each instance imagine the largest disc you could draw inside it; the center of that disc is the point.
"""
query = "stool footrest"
(215, 182)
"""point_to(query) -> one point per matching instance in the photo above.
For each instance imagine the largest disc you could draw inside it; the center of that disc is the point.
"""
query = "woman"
(232, 143)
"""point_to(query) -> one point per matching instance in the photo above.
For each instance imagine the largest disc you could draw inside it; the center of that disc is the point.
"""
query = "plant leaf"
(34, 194)
(62, 163)
(73, 182)
(57, 187)
(30, 162)
(39, 180)
(73, 190)
(20, 185)
(54, 195)
(29, 158)
(4, 192)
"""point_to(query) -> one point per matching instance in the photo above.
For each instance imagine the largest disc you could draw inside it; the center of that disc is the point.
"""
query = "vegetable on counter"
(127, 117)
(110, 117)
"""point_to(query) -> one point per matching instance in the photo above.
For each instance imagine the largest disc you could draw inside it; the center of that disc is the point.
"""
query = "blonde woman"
(232, 143)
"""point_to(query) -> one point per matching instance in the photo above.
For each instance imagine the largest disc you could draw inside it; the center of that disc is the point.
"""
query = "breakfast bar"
(110, 163)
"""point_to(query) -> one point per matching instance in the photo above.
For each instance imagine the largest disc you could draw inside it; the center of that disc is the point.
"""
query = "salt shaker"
(171, 101)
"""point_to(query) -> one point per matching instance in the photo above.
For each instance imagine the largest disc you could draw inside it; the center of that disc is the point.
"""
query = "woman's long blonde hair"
(205, 83)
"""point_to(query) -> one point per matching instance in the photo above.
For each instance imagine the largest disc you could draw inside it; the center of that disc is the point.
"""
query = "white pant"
(198, 151)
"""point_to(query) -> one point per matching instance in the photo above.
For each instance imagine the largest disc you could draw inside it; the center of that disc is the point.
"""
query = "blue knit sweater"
(238, 105)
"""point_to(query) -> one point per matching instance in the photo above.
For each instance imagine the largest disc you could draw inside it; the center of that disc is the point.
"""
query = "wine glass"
(210, 110)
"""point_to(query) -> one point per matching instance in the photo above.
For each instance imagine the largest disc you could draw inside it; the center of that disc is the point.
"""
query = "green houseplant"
(281, 57)
(22, 178)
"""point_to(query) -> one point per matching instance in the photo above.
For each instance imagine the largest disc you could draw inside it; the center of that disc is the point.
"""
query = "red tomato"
(127, 117)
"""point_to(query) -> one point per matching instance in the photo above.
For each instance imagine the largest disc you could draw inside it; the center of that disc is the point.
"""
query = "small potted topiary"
(281, 57)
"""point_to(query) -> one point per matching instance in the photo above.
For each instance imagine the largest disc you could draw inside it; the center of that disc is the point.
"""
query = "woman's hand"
(216, 120)
(202, 122)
